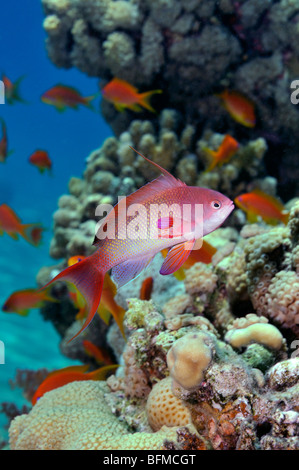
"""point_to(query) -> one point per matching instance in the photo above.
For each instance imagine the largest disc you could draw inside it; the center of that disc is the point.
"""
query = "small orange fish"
(107, 306)
(203, 255)
(12, 225)
(70, 374)
(4, 153)
(62, 96)
(223, 154)
(123, 95)
(259, 204)
(12, 90)
(41, 159)
(22, 301)
(146, 289)
(99, 354)
(239, 107)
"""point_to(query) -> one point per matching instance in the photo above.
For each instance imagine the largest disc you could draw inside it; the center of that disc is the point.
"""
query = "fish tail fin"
(118, 316)
(48, 297)
(144, 99)
(17, 95)
(89, 281)
(32, 233)
(88, 101)
(102, 372)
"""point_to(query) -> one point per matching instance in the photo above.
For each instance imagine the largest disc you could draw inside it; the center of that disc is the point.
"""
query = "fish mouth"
(229, 209)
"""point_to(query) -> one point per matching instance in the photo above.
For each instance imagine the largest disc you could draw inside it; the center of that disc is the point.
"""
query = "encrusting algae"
(208, 357)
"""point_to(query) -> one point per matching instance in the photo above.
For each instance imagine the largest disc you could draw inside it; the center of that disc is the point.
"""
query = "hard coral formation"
(190, 49)
(187, 359)
(253, 329)
(76, 417)
(210, 362)
(233, 407)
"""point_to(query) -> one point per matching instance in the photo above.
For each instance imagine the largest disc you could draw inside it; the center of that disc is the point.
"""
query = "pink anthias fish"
(126, 255)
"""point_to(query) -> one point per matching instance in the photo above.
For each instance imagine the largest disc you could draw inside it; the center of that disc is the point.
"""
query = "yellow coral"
(164, 408)
(76, 417)
(254, 329)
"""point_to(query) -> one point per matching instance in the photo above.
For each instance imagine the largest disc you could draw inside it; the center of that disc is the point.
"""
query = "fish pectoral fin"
(176, 257)
(128, 270)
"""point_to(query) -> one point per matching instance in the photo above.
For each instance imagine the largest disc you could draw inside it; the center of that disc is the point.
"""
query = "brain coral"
(164, 408)
(76, 417)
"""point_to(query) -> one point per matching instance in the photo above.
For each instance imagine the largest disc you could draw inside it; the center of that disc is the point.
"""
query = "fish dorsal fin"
(69, 369)
(162, 183)
(12, 214)
(125, 84)
(273, 200)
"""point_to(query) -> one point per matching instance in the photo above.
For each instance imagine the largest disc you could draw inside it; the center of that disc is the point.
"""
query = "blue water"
(31, 343)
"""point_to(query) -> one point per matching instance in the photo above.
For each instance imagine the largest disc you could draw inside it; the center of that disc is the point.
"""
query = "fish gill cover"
(207, 92)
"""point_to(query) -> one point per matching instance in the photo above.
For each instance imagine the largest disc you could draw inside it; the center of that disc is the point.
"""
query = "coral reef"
(209, 362)
(192, 51)
(61, 421)
(231, 405)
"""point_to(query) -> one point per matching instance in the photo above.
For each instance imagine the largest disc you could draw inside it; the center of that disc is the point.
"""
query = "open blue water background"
(31, 343)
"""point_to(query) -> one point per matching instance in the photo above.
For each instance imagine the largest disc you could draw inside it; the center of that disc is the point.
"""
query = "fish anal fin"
(128, 270)
(135, 107)
(252, 217)
(176, 257)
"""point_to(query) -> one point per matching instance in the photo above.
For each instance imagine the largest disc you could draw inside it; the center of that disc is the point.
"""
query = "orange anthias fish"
(259, 204)
(239, 107)
(62, 96)
(12, 90)
(127, 244)
(41, 159)
(203, 255)
(22, 301)
(70, 374)
(123, 95)
(146, 289)
(223, 154)
(107, 306)
(12, 225)
(99, 354)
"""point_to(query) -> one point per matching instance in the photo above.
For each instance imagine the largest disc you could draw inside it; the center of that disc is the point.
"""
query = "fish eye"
(216, 204)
